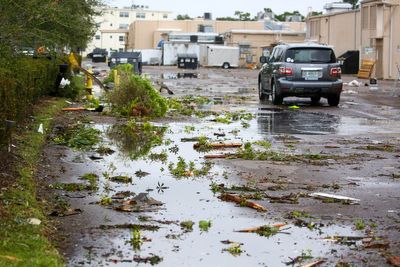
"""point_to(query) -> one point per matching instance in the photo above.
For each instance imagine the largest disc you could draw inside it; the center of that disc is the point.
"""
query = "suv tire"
(261, 95)
(334, 100)
(277, 99)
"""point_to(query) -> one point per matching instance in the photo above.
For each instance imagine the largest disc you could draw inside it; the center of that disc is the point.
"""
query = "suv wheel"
(277, 99)
(315, 100)
(226, 65)
(261, 95)
(334, 100)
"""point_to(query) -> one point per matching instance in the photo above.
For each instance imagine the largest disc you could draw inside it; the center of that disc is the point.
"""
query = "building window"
(165, 16)
(364, 18)
(124, 14)
(121, 50)
(97, 37)
(110, 36)
(123, 26)
(121, 38)
(372, 23)
(140, 15)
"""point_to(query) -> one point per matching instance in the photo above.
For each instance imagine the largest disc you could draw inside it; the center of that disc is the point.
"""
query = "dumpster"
(133, 58)
(350, 62)
(188, 61)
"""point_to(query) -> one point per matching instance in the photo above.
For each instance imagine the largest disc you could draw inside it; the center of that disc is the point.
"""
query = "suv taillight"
(285, 71)
(336, 72)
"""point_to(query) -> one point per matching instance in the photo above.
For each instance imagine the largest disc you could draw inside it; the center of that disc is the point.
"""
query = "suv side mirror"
(264, 59)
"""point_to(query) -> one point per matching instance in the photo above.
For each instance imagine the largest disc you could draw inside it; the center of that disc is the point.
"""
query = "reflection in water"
(277, 121)
(136, 141)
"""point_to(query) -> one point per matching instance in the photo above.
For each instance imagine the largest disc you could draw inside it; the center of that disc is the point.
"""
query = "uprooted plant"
(135, 96)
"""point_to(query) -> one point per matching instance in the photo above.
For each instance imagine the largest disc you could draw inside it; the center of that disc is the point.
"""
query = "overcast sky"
(220, 8)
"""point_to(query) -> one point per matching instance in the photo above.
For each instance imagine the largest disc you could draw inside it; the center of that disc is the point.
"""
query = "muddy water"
(191, 199)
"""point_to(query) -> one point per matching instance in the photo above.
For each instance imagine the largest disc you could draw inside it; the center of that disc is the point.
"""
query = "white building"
(113, 25)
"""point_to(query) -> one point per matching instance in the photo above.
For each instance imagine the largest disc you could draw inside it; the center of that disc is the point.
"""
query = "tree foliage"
(354, 3)
(239, 16)
(50, 23)
(282, 17)
(183, 17)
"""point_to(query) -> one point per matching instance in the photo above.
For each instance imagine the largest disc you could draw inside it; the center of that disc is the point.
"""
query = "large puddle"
(297, 122)
(192, 199)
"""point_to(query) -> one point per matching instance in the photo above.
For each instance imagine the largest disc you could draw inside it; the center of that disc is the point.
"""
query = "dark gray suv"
(302, 70)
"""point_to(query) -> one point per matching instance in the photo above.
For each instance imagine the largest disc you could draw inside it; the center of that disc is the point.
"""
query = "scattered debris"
(187, 225)
(235, 249)
(242, 201)
(299, 259)
(292, 198)
(204, 225)
(315, 263)
(376, 244)
(34, 221)
(140, 203)
(123, 195)
(153, 260)
(219, 134)
(121, 179)
(394, 261)
(192, 139)
(266, 230)
(335, 198)
(70, 187)
(141, 174)
(228, 242)
(197, 146)
(294, 107)
(354, 83)
(144, 227)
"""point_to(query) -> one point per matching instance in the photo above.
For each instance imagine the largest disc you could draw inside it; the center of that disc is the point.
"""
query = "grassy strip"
(22, 243)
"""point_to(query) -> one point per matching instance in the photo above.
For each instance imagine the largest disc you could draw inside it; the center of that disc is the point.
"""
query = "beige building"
(373, 30)
(113, 25)
(254, 43)
(147, 34)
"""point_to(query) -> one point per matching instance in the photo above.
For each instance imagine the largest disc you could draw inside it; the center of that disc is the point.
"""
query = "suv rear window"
(310, 55)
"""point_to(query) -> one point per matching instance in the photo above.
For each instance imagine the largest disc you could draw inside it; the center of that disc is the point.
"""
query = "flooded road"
(321, 149)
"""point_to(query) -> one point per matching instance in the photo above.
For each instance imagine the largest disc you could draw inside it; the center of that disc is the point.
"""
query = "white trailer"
(220, 56)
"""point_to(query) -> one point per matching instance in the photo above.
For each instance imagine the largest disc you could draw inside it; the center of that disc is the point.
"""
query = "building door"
(379, 59)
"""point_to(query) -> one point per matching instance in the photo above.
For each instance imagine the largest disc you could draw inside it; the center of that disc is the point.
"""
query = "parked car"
(301, 70)
(98, 55)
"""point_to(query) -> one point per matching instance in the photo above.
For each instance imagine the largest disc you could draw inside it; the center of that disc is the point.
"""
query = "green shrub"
(136, 96)
(22, 81)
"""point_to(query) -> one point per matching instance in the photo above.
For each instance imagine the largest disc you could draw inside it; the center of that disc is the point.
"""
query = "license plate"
(311, 75)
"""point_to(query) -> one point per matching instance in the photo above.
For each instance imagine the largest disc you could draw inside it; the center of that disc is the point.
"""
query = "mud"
(357, 129)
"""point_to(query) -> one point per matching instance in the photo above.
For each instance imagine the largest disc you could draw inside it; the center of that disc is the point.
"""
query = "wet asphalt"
(365, 118)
